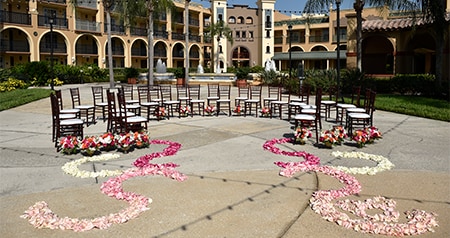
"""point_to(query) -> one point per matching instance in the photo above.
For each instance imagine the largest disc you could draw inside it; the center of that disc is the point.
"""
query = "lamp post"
(186, 70)
(51, 21)
(338, 41)
(290, 55)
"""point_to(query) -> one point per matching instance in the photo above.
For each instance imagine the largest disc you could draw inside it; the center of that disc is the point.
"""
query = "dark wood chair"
(167, 102)
(146, 102)
(99, 102)
(195, 99)
(63, 127)
(87, 110)
(133, 123)
(224, 99)
(254, 99)
(273, 94)
(213, 93)
(312, 121)
(242, 95)
(362, 119)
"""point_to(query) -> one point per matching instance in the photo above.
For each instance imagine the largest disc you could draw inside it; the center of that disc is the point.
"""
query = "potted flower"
(185, 111)
(328, 138)
(89, 145)
(107, 142)
(238, 110)
(242, 76)
(301, 135)
(361, 137)
(69, 145)
(141, 140)
(265, 112)
(210, 110)
(179, 75)
(131, 75)
(160, 113)
(340, 133)
(125, 142)
(374, 134)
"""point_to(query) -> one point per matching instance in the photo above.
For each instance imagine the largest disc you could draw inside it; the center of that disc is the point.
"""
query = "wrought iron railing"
(15, 17)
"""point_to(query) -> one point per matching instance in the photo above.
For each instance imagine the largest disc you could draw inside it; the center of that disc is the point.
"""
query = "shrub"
(414, 84)
(242, 72)
(12, 84)
(270, 77)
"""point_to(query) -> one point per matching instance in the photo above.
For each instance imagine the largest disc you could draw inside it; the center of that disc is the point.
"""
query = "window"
(267, 49)
(250, 34)
(249, 20)
(267, 33)
(220, 49)
(238, 34)
(240, 20)
(244, 35)
(232, 20)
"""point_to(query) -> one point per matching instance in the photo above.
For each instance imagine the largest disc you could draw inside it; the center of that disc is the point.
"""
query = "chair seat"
(359, 115)
(241, 98)
(297, 100)
(309, 110)
(70, 111)
(197, 101)
(102, 104)
(148, 104)
(212, 98)
(297, 104)
(132, 101)
(223, 100)
(136, 119)
(304, 117)
(70, 122)
(183, 98)
(308, 106)
(280, 102)
(326, 102)
(128, 114)
(356, 110)
(171, 102)
(270, 99)
(66, 116)
(133, 106)
(252, 101)
(85, 107)
(345, 105)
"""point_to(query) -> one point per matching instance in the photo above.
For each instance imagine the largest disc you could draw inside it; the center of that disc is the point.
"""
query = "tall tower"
(267, 32)
(219, 13)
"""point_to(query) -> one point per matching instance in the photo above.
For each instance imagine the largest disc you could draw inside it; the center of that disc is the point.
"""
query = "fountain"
(160, 67)
(200, 69)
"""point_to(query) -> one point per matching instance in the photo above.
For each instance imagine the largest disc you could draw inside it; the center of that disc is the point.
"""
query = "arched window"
(249, 20)
(232, 20)
(267, 49)
(240, 20)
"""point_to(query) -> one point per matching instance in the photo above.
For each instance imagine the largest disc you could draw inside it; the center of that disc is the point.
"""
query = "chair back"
(97, 94)
(75, 94)
(213, 90)
(371, 105)
(274, 92)
(318, 101)
(305, 91)
(143, 93)
(255, 92)
(127, 91)
(55, 106)
(154, 93)
(243, 92)
(166, 92)
(356, 94)
(332, 93)
(122, 106)
(58, 95)
(182, 92)
(224, 91)
(194, 91)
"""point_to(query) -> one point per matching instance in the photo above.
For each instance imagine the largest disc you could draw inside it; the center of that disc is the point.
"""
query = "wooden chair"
(273, 94)
(194, 98)
(213, 93)
(99, 103)
(362, 119)
(146, 102)
(133, 123)
(183, 94)
(328, 105)
(224, 98)
(296, 103)
(63, 127)
(128, 91)
(254, 99)
(167, 102)
(86, 110)
(312, 121)
(278, 105)
(341, 108)
(75, 111)
(242, 95)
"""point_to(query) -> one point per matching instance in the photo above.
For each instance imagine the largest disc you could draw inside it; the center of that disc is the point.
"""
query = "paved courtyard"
(233, 187)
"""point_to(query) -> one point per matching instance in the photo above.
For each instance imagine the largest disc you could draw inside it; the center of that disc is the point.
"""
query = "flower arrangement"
(302, 134)
(160, 113)
(238, 110)
(69, 145)
(333, 136)
(141, 139)
(89, 145)
(185, 111)
(125, 142)
(366, 136)
(340, 133)
(107, 141)
(265, 112)
(210, 109)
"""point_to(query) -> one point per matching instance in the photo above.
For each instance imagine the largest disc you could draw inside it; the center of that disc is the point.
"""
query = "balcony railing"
(207, 55)
(324, 38)
(298, 39)
(86, 49)
(194, 38)
(14, 45)
(116, 51)
(278, 40)
(83, 25)
(207, 39)
(194, 22)
(342, 38)
(57, 48)
(15, 17)
(138, 52)
(177, 36)
(58, 23)
(179, 18)
(161, 34)
(136, 31)
(88, 4)
(160, 53)
(115, 29)
(195, 55)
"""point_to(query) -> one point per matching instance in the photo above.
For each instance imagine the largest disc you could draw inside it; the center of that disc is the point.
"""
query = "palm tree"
(220, 30)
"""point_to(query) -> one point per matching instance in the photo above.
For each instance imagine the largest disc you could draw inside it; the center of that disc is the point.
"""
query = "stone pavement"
(233, 189)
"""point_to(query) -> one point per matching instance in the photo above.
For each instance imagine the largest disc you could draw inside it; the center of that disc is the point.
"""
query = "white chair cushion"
(304, 117)
(70, 122)
(345, 105)
(356, 110)
(309, 110)
(136, 119)
(326, 102)
(84, 107)
(359, 115)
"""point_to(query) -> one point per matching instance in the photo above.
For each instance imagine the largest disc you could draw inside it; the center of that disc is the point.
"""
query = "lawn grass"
(21, 96)
(415, 106)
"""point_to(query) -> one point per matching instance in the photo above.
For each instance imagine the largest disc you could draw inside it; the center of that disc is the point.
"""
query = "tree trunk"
(358, 6)
(110, 57)
(150, 52)
(186, 17)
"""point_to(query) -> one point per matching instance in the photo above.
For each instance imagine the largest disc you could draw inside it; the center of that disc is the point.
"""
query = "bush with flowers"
(141, 140)
(333, 136)
(160, 113)
(210, 109)
(125, 142)
(265, 112)
(107, 141)
(238, 110)
(89, 145)
(69, 145)
(301, 135)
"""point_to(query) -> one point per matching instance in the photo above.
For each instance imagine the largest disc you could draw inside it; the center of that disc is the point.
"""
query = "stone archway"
(59, 48)
(118, 52)
(377, 55)
(423, 49)
(241, 57)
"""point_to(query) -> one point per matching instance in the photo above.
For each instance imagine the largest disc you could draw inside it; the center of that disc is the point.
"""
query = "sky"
(288, 6)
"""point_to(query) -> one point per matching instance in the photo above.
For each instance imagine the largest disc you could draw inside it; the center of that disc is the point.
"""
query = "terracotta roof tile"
(392, 24)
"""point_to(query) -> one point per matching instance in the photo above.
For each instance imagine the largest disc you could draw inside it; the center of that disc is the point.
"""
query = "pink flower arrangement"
(185, 110)
(141, 139)
(90, 145)
(238, 110)
(160, 113)
(334, 136)
(366, 136)
(125, 141)
(265, 112)
(301, 135)
(107, 141)
(69, 145)
(210, 109)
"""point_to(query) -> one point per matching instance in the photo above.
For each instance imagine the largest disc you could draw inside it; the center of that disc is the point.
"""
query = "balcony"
(136, 31)
(342, 38)
(194, 38)
(138, 52)
(207, 55)
(15, 17)
(179, 18)
(194, 55)
(299, 39)
(86, 49)
(177, 36)
(161, 34)
(83, 25)
(115, 29)
(160, 53)
(278, 40)
(87, 4)
(324, 38)
(207, 39)
(14, 45)
(116, 51)
(57, 48)
(58, 23)
(194, 22)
